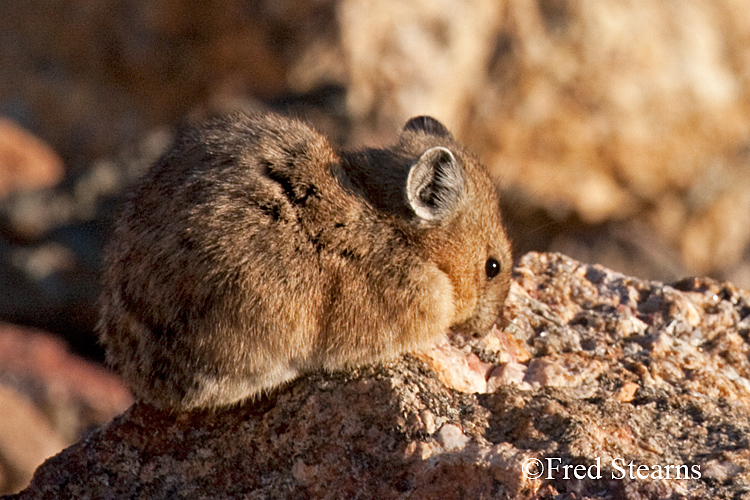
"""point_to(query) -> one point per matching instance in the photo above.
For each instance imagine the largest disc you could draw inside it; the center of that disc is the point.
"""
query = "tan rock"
(26, 440)
(596, 110)
(626, 393)
(414, 58)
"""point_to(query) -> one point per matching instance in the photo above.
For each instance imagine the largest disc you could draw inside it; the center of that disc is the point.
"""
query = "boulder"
(597, 112)
(595, 383)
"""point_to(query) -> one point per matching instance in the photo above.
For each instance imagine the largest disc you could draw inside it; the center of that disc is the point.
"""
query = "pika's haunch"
(254, 251)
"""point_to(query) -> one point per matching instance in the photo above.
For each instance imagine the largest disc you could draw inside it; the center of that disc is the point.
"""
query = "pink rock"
(456, 369)
(508, 373)
(74, 393)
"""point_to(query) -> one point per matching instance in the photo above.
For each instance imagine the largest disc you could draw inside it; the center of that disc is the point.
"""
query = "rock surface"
(591, 367)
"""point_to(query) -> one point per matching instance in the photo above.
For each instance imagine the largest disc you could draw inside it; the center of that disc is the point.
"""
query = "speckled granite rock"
(593, 368)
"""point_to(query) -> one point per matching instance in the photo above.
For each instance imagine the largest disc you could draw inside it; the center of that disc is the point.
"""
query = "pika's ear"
(428, 125)
(435, 184)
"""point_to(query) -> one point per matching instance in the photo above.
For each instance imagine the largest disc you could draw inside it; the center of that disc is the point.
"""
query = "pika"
(253, 251)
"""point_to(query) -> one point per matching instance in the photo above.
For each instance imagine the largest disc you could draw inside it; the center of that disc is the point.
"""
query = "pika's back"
(253, 251)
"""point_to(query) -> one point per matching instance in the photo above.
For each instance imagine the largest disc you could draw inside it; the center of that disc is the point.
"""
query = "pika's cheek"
(487, 312)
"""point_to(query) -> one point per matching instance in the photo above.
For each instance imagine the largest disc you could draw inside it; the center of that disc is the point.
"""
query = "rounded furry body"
(253, 251)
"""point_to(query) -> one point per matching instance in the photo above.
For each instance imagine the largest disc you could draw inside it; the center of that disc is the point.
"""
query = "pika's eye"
(491, 268)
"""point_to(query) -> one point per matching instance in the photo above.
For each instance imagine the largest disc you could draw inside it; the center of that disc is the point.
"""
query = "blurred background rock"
(619, 131)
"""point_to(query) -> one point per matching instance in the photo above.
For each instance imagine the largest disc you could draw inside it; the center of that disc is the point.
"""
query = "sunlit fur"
(253, 251)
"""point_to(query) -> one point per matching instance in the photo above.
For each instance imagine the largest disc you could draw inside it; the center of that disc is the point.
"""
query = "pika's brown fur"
(253, 251)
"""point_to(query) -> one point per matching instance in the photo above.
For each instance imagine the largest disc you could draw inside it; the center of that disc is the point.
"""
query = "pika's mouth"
(479, 325)
(469, 330)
